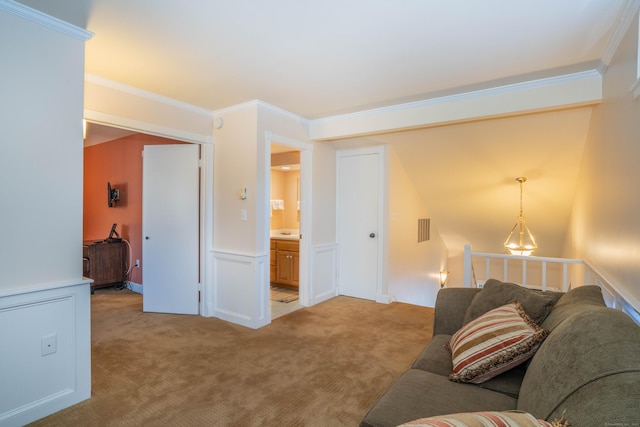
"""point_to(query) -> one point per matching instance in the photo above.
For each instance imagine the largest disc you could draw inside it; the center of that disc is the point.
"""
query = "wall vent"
(424, 232)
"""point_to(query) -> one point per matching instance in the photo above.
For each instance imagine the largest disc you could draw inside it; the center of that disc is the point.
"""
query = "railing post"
(467, 266)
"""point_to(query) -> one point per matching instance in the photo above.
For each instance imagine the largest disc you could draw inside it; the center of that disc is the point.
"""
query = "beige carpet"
(318, 366)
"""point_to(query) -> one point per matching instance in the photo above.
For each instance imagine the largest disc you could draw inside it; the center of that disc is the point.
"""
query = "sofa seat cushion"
(435, 357)
(419, 394)
(495, 294)
(494, 343)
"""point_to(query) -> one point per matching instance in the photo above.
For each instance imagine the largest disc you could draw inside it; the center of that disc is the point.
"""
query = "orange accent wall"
(120, 163)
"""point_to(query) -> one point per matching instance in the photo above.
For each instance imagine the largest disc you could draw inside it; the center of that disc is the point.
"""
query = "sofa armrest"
(451, 306)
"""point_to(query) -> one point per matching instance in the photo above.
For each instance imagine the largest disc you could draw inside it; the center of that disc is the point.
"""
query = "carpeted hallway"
(318, 366)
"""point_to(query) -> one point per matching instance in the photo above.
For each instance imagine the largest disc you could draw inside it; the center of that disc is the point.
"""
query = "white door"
(170, 228)
(358, 214)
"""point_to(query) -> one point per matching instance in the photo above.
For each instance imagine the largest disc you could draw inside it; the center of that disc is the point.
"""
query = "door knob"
(146, 237)
(372, 235)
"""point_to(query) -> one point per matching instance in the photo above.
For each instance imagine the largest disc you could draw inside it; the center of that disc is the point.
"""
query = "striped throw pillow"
(494, 343)
(481, 419)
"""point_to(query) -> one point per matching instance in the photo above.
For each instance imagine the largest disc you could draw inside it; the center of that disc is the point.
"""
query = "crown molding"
(43, 19)
(101, 81)
(282, 112)
(257, 103)
(625, 20)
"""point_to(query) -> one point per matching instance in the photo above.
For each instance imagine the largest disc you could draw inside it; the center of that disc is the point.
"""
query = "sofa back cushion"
(495, 294)
(575, 301)
(596, 344)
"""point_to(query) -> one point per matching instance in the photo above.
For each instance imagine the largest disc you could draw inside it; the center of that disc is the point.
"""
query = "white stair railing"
(509, 261)
(615, 296)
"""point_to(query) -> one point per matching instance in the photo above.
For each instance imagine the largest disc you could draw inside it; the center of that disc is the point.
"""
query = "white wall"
(413, 269)
(604, 227)
(42, 292)
(41, 154)
(240, 254)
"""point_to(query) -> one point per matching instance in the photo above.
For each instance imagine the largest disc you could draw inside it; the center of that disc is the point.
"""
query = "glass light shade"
(443, 278)
(520, 241)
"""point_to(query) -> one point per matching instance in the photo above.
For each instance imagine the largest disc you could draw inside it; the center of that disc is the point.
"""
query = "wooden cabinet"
(104, 262)
(272, 259)
(286, 256)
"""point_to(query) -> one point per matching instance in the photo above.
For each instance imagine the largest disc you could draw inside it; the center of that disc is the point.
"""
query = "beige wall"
(413, 269)
(605, 229)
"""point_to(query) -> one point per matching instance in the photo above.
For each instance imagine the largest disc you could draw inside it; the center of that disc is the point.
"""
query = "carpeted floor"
(318, 366)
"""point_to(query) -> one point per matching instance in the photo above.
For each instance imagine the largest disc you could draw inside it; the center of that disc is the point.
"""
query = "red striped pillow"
(494, 343)
(481, 419)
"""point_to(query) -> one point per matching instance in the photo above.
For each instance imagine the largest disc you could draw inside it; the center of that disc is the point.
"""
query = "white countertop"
(285, 234)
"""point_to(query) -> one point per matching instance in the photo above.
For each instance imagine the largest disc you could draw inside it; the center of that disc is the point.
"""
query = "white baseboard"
(135, 287)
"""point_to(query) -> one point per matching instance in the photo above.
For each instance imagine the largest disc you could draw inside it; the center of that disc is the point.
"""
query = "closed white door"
(170, 228)
(358, 215)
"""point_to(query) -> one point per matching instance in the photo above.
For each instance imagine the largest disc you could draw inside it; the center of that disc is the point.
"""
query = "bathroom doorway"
(284, 230)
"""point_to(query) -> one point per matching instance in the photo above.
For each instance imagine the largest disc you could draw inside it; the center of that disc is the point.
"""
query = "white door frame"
(381, 150)
(206, 186)
(305, 149)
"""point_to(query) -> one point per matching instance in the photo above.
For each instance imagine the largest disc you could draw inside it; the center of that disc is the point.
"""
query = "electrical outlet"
(49, 344)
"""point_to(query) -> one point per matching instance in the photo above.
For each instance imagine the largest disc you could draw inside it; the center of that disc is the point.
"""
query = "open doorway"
(114, 156)
(284, 230)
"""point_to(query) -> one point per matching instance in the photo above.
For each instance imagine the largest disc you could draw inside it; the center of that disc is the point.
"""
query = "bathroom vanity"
(285, 261)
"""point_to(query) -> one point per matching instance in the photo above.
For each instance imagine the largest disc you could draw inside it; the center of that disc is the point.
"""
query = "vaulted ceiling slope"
(327, 58)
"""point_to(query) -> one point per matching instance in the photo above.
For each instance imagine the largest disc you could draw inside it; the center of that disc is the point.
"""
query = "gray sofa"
(587, 369)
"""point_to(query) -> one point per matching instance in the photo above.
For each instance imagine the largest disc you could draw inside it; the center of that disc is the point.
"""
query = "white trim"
(281, 111)
(45, 20)
(581, 88)
(615, 288)
(635, 89)
(45, 287)
(151, 96)
(206, 231)
(324, 272)
(144, 127)
(624, 22)
(306, 209)
(259, 103)
(135, 287)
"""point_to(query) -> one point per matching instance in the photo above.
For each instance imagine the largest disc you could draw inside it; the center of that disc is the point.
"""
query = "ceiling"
(324, 58)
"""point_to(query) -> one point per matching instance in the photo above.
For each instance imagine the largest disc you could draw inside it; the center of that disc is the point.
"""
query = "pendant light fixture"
(520, 241)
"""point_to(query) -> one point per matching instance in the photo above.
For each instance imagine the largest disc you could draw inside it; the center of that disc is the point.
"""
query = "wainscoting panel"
(45, 355)
(239, 287)
(323, 284)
